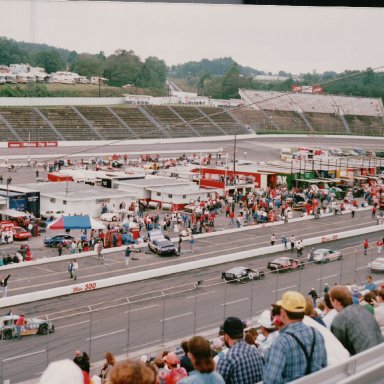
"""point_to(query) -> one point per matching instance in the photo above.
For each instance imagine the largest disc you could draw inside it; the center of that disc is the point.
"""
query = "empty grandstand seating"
(139, 124)
(108, 126)
(198, 121)
(224, 120)
(68, 123)
(365, 125)
(165, 116)
(272, 112)
(28, 124)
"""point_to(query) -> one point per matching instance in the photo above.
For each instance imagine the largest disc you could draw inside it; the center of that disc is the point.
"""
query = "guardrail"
(169, 270)
(366, 367)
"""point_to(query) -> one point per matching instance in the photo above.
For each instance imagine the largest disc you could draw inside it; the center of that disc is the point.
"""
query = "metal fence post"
(251, 306)
(163, 321)
(277, 284)
(129, 322)
(90, 330)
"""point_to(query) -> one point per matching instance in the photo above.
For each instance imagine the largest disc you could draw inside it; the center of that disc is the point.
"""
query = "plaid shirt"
(286, 361)
(242, 364)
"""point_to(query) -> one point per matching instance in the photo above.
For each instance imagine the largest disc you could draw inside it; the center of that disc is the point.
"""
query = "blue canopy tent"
(75, 222)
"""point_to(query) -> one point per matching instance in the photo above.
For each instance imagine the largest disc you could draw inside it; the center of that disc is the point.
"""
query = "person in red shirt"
(19, 323)
(365, 245)
(176, 373)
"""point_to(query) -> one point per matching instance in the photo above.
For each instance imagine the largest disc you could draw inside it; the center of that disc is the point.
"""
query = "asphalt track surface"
(147, 315)
(142, 316)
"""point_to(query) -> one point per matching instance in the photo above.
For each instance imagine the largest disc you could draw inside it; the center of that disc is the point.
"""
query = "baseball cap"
(292, 301)
(265, 320)
(171, 358)
(233, 327)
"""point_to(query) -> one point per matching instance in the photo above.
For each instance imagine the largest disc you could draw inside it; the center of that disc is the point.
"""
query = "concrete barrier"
(172, 269)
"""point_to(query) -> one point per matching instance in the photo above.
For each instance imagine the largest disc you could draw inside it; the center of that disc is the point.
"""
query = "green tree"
(50, 60)
(153, 73)
(88, 65)
(123, 67)
(231, 83)
(11, 53)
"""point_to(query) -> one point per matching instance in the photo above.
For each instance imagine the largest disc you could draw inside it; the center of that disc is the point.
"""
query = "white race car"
(324, 255)
(110, 216)
(32, 326)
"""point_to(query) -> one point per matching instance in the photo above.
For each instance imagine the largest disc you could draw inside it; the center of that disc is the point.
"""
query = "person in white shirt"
(330, 312)
(75, 267)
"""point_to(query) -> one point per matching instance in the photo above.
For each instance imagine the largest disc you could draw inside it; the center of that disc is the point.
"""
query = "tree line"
(218, 78)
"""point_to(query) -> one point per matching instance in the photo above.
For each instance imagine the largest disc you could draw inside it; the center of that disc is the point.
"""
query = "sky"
(268, 38)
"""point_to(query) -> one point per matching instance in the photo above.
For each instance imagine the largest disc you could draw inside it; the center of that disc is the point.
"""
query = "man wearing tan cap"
(299, 350)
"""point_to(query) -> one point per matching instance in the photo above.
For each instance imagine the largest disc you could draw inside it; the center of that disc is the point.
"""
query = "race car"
(377, 265)
(52, 214)
(242, 274)
(32, 326)
(285, 264)
(54, 241)
(110, 216)
(158, 244)
(20, 233)
(324, 255)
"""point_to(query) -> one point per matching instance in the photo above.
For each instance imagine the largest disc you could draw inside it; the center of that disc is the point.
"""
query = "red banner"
(33, 144)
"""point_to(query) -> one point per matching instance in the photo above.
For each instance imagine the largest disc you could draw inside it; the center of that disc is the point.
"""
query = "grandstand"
(319, 113)
(263, 112)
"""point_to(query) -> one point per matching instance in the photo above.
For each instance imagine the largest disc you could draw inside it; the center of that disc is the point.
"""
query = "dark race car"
(54, 241)
(285, 264)
(159, 244)
(241, 274)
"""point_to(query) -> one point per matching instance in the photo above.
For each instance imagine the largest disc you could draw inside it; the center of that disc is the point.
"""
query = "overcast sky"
(268, 38)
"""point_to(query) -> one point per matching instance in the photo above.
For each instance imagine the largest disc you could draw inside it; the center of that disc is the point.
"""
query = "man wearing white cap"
(299, 350)
(268, 330)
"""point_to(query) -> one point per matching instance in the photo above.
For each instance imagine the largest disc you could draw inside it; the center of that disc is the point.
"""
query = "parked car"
(324, 255)
(158, 244)
(20, 233)
(33, 326)
(242, 274)
(285, 264)
(52, 214)
(377, 265)
(53, 241)
(110, 216)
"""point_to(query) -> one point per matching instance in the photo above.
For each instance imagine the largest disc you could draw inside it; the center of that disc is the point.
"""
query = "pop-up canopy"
(76, 222)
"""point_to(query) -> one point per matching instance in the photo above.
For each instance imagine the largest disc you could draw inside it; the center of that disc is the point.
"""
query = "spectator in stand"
(269, 332)
(219, 349)
(185, 361)
(243, 363)
(370, 285)
(354, 326)
(107, 366)
(204, 366)
(132, 372)
(310, 311)
(82, 361)
(62, 372)
(330, 312)
(379, 308)
(176, 373)
(299, 350)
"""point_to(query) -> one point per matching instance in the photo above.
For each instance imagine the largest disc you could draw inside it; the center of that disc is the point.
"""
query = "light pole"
(9, 181)
(234, 151)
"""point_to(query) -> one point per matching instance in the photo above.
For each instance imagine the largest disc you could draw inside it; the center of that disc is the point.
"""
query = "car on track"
(54, 241)
(158, 244)
(285, 264)
(110, 216)
(241, 274)
(324, 255)
(377, 265)
(33, 326)
(299, 206)
(20, 233)
(52, 214)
